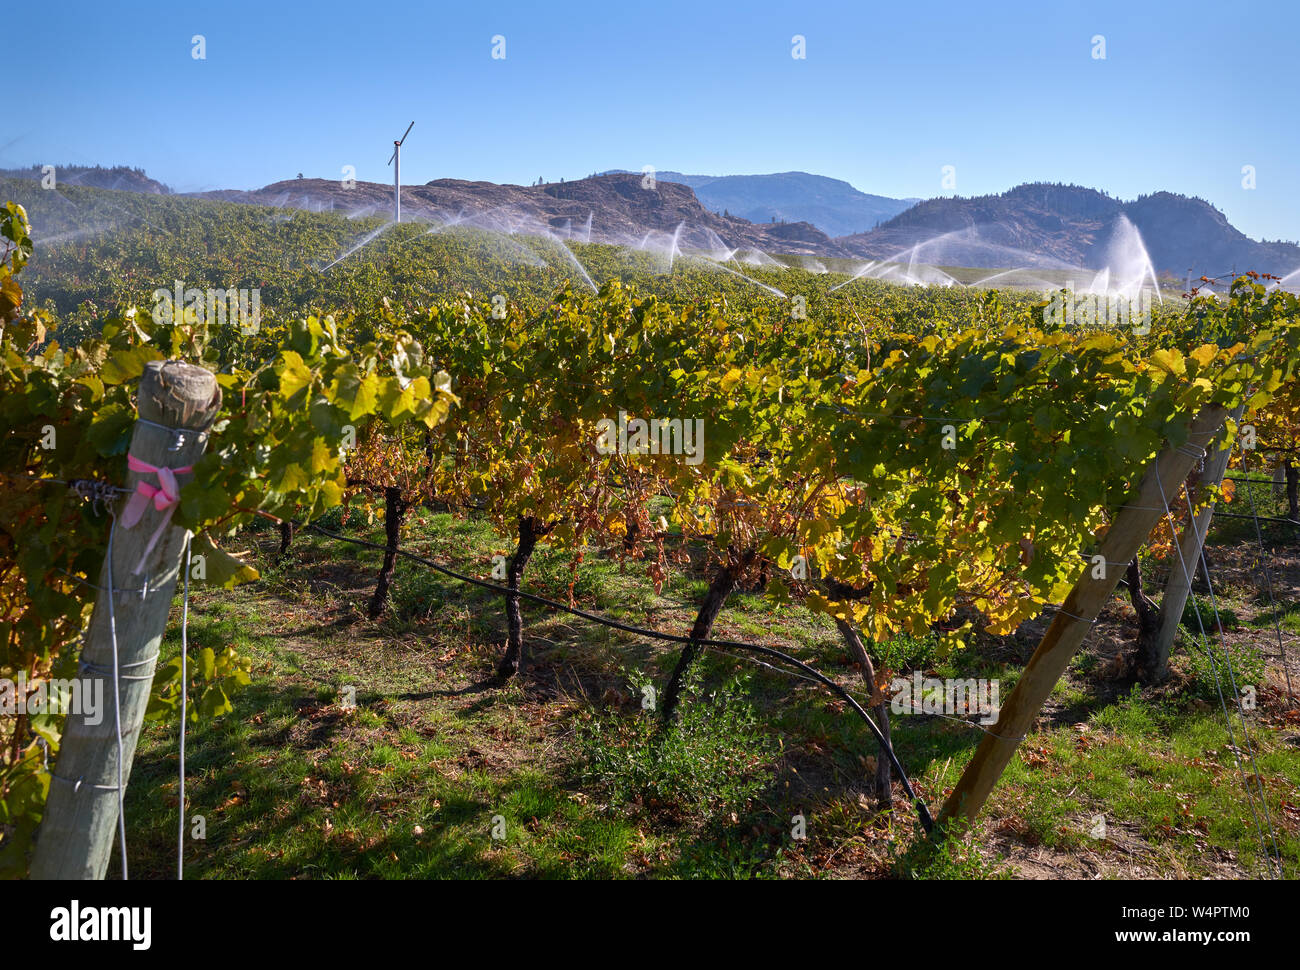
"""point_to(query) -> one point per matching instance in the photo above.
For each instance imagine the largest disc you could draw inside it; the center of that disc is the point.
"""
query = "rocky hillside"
(832, 205)
(611, 208)
(1040, 224)
(118, 177)
(1049, 225)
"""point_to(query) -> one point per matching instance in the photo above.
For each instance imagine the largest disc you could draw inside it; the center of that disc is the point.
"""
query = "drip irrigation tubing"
(922, 811)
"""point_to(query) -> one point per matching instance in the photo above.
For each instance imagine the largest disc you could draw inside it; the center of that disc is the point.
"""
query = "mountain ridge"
(832, 205)
(119, 177)
(612, 208)
(1055, 224)
(1036, 224)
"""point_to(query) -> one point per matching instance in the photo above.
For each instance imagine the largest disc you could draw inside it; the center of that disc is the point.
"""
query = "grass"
(439, 773)
(949, 857)
(716, 758)
(1213, 671)
(1209, 614)
(1149, 769)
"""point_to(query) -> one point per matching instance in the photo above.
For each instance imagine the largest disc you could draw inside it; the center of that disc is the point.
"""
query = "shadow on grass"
(280, 802)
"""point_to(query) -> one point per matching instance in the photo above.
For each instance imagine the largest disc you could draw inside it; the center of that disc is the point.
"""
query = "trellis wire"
(923, 812)
(1236, 693)
(1205, 640)
(102, 495)
(117, 695)
(1268, 577)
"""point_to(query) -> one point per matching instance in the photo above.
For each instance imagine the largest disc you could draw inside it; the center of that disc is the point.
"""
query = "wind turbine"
(397, 174)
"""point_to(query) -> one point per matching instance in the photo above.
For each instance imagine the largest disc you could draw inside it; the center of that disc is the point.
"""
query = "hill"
(832, 205)
(118, 177)
(613, 208)
(1039, 225)
(1050, 225)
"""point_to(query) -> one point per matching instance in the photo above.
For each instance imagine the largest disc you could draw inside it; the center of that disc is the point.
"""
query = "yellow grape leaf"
(294, 375)
(329, 494)
(322, 458)
(220, 568)
(1169, 361)
(442, 383)
(820, 604)
(367, 396)
(1204, 354)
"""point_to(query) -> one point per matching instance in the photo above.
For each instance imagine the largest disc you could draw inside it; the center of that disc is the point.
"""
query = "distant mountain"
(1183, 232)
(1050, 225)
(1032, 225)
(833, 206)
(604, 208)
(118, 177)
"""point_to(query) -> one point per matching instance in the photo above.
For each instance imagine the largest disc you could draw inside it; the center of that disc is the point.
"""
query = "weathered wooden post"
(1077, 614)
(1155, 662)
(176, 403)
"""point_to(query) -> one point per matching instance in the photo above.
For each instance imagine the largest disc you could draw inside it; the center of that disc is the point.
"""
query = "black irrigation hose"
(1259, 518)
(927, 821)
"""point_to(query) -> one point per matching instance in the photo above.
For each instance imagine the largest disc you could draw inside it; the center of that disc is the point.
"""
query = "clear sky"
(887, 95)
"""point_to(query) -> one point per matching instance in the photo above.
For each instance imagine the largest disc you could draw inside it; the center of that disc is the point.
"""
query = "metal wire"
(1232, 680)
(1268, 578)
(117, 698)
(185, 623)
(1250, 795)
(923, 812)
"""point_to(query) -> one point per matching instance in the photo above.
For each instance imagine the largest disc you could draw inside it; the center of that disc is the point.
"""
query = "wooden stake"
(1074, 620)
(1179, 586)
(81, 813)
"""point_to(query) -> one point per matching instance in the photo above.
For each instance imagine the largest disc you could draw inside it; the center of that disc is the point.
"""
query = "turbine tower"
(397, 173)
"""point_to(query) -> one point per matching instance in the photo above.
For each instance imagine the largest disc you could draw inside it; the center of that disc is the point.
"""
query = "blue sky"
(887, 95)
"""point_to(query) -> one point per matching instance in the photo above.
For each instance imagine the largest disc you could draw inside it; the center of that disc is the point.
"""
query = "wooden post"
(1074, 620)
(81, 813)
(1179, 586)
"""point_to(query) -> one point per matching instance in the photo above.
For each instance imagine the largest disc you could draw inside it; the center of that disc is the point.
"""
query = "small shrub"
(418, 593)
(1227, 616)
(950, 857)
(713, 760)
(906, 652)
(1244, 663)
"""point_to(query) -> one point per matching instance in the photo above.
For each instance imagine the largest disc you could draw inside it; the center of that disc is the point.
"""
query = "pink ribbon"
(164, 499)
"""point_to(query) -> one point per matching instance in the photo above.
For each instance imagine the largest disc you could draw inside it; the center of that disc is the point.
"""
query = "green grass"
(1153, 769)
(951, 856)
(1214, 671)
(576, 777)
(1285, 615)
(715, 758)
(1204, 613)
